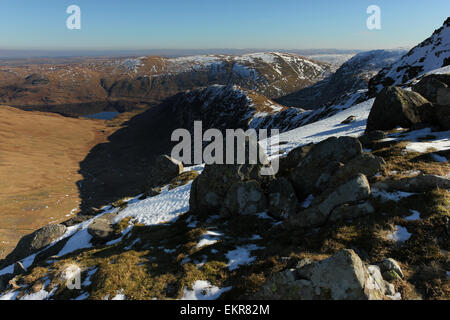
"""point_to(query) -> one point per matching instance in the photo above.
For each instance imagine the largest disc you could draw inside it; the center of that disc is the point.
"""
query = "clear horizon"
(210, 25)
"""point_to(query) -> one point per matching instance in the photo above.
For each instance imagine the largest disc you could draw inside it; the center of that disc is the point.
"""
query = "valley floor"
(39, 163)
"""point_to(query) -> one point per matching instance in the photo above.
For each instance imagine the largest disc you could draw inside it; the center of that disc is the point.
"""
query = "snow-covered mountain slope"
(228, 107)
(352, 76)
(433, 53)
(152, 79)
(271, 74)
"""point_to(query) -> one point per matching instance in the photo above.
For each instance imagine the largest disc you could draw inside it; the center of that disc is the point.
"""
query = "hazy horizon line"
(72, 53)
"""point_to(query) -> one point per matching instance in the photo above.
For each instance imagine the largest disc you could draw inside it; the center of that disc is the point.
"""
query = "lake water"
(107, 115)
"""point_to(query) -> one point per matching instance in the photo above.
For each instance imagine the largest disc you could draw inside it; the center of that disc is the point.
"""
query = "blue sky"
(202, 24)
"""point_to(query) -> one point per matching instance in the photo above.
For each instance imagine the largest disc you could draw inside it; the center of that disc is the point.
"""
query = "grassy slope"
(146, 271)
(39, 163)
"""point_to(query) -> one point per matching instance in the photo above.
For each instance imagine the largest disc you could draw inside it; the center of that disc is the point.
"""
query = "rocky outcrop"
(244, 198)
(221, 181)
(343, 276)
(353, 191)
(429, 86)
(321, 163)
(395, 107)
(294, 157)
(366, 163)
(283, 201)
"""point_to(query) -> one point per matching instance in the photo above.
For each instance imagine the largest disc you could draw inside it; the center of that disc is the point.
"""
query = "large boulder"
(165, 169)
(353, 192)
(283, 201)
(428, 87)
(395, 107)
(209, 189)
(294, 157)
(36, 241)
(322, 162)
(436, 88)
(366, 163)
(343, 276)
(102, 230)
(244, 198)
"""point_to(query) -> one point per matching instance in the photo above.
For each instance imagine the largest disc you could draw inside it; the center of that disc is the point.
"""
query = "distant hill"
(97, 85)
(352, 76)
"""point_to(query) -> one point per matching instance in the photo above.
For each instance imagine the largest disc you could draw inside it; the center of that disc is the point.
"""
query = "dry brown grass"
(39, 163)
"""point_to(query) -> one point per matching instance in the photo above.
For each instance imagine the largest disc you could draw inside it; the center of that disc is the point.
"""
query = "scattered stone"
(165, 169)
(19, 268)
(244, 198)
(349, 120)
(283, 201)
(418, 184)
(353, 191)
(340, 277)
(348, 212)
(395, 107)
(314, 171)
(77, 220)
(91, 212)
(390, 265)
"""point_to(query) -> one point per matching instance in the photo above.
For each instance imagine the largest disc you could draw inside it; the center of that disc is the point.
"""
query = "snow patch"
(241, 256)
(203, 290)
(400, 234)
